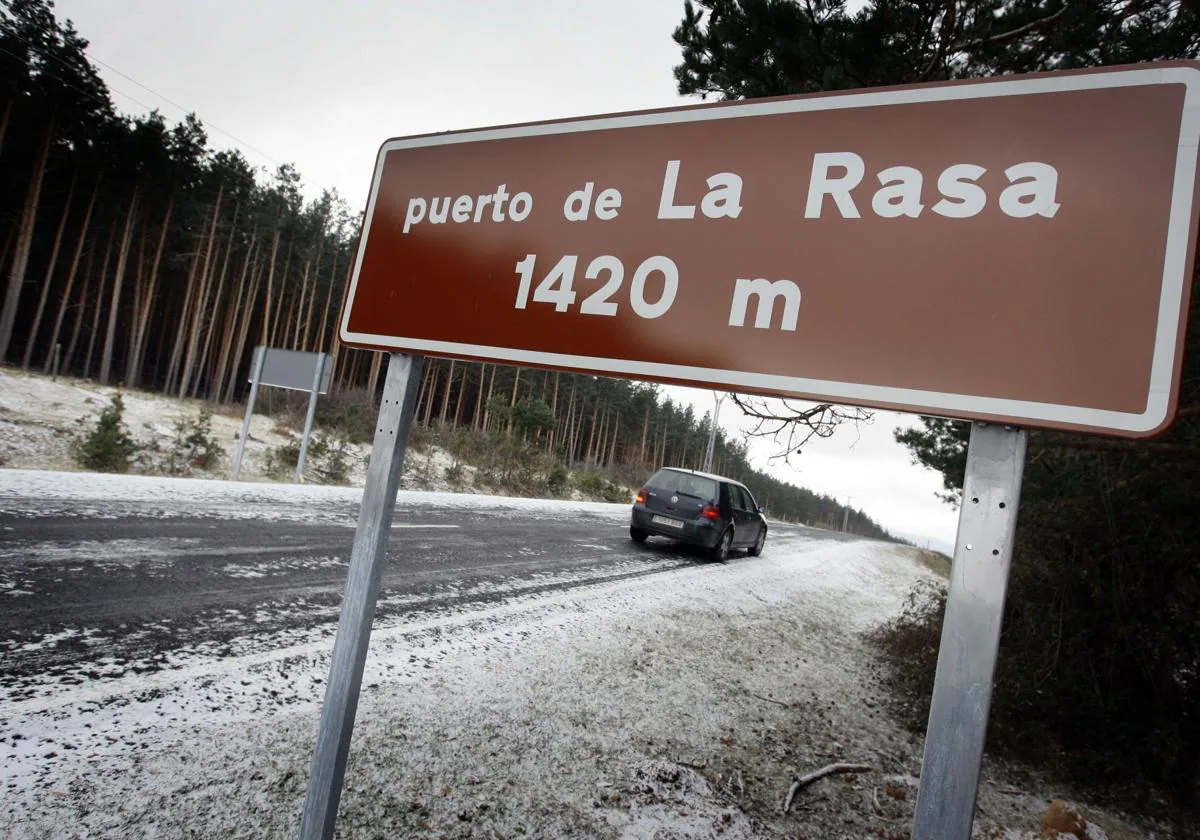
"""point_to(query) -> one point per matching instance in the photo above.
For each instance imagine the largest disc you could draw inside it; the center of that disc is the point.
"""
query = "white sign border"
(1176, 273)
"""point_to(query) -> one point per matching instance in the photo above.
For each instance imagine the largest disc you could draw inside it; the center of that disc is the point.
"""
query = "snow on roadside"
(527, 712)
(38, 416)
(678, 704)
(41, 491)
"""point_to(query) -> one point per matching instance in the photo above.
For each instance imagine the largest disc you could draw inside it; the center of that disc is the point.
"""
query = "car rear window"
(686, 483)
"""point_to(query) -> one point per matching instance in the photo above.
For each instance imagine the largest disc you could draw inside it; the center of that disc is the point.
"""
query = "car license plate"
(663, 520)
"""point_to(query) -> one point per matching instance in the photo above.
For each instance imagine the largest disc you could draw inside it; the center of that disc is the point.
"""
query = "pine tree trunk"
(133, 368)
(46, 283)
(139, 292)
(491, 389)
(335, 352)
(462, 394)
(446, 394)
(66, 295)
(312, 300)
(645, 428)
(231, 323)
(580, 420)
(478, 416)
(601, 438)
(512, 404)
(312, 294)
(205, 313)
(16, 272)
(298, 319)
(373, 377)
(266, 329)
(282, 293)
(587, 456)
(118, 282)
(8, 106)
(430, 394)
(207, 360)
(550, 436)
(202, 299)
(568, 424)
(612, 452)
(78, 325)
(95, 331)
(181, 328)
(256, 273)
(423, 390)
(319, 339)
(8, 242)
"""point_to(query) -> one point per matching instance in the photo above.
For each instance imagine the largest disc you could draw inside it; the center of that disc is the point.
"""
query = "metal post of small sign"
(362, 590)
(260, 355)
(962, 688)
(318, 372)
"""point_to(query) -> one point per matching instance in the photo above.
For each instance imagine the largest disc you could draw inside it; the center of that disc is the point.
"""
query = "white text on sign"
(841, 177)
(557, 287)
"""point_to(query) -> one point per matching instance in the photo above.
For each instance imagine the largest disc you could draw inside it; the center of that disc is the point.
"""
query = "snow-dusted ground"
(676, 705)
(39, 416)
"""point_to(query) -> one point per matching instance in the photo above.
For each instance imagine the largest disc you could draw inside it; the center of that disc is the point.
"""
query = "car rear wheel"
(720, 551)
(637, 534)
(758, 544)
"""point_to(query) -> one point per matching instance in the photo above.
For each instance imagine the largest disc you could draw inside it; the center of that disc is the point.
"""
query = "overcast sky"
(323, 84)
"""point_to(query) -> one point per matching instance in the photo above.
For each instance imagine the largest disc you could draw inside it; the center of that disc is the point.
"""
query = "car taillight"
(641, 496)
(710, 512)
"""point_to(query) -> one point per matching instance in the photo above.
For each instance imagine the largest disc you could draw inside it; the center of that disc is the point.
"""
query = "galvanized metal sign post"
(962, 688)
(367, 559)
(1015, 251)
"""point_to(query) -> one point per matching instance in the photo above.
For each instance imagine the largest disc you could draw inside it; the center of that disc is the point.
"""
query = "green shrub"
(327, 459)
(601, 488)
(348, 414)
(107, 446)
(333, 463)
(194, 445)
(456, 475)
(558, 481)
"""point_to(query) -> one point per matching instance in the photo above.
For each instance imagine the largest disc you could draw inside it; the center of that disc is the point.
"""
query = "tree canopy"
(1101, 648)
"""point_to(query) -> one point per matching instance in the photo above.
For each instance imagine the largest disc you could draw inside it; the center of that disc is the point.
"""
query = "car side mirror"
(762, 509)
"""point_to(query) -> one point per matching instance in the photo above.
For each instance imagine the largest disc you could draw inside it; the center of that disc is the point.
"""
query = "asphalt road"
(127, 587)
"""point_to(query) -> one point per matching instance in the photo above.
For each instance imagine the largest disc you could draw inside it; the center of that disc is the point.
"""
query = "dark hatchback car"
(711, 511)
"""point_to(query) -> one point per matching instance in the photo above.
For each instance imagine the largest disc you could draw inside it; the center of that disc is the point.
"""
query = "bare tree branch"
(1011, 34)
(948, 27)
(829, 770)
(797, 425)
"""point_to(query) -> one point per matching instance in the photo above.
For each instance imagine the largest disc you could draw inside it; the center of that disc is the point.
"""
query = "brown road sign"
(1017, 249)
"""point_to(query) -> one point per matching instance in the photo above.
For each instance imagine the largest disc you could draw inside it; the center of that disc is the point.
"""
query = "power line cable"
(210, 125)
(137, 101)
